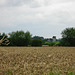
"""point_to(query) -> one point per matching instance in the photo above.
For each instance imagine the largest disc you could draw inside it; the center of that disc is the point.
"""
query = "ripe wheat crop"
(37, 60)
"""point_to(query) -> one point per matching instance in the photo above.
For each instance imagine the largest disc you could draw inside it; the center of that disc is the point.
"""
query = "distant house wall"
(54, 38)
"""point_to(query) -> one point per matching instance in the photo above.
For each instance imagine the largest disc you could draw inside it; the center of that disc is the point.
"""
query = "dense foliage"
(19, 38)
(68, 37)
(53, 43)
(36, 42)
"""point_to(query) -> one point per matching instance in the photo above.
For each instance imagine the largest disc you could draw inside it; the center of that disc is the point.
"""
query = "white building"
(54, 38)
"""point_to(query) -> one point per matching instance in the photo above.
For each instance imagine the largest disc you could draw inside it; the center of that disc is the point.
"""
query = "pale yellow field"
(36, 60)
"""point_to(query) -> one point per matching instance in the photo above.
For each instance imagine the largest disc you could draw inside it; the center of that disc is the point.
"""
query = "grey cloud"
(50, 2)
(13, 3)
(48, 15)
(31, 3)
(19, 2)
(16, 2)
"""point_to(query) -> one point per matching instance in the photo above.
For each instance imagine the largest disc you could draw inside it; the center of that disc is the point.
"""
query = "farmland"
(37, 60)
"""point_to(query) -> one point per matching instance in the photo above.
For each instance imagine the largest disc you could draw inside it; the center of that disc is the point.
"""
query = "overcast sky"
(45, 18)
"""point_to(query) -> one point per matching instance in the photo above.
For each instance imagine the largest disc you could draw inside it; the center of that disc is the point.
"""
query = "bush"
(57, 44)
(46, 43)
(64, 43)
(52, 44)
(36, 42)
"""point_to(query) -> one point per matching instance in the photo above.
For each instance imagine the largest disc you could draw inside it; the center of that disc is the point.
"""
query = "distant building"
(48, 40)
(54, 38)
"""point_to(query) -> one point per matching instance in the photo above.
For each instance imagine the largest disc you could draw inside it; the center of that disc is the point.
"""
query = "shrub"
(57, 44)
(36, 42)
(46, 43)
(52, 44)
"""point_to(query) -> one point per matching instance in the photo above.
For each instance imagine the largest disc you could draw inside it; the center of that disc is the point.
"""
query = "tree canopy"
(20, 38)
(68, 37)
(36, 42)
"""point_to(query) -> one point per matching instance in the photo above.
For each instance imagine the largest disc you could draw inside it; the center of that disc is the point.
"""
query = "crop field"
(37, 60)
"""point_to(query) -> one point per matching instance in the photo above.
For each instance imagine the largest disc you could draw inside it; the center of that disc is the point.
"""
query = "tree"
(38, 37)
(19, 38)
(27, 38)
(68, 37)
(36, 42)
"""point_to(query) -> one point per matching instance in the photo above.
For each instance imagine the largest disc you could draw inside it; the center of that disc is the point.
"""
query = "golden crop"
(36, 60)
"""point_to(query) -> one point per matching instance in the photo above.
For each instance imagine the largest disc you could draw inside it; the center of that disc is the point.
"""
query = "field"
(37, 60)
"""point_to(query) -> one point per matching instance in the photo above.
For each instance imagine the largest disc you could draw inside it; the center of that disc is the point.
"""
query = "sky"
(45, 18)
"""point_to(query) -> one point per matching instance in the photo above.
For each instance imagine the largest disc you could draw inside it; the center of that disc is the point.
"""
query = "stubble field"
(37, 60)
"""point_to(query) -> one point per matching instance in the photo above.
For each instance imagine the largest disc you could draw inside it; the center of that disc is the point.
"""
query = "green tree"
(36, 42)
(19, 38)
(27, 38)
(68, 37)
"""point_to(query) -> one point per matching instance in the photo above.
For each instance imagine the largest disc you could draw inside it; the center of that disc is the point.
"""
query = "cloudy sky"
(45, 18)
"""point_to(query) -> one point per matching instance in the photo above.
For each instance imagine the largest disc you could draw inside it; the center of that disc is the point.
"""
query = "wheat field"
(37, 60)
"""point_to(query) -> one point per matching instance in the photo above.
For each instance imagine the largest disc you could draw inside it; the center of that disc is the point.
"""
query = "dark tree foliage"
(27, 38)
(19, 38)
(36, 42)
(68, 37)
(38, 37)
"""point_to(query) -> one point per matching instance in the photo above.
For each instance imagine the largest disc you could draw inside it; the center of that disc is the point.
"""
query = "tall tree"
(19, 38)
(68, 37)
(27, 38)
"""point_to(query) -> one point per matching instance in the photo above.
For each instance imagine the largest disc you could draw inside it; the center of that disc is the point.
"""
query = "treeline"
(21, 38)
